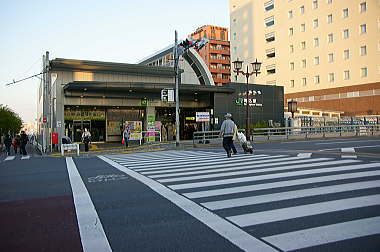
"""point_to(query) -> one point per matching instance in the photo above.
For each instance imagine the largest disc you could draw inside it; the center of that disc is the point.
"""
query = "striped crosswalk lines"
(252, 191)
(12, 158)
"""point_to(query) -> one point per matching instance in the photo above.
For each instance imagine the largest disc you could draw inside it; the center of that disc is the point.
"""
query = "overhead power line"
(16, 81)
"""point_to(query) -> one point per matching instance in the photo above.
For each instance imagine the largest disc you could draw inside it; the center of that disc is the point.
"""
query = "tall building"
(326, 53)
(216, 53)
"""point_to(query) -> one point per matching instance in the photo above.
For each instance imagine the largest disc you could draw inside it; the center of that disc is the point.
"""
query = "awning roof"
(122, 86)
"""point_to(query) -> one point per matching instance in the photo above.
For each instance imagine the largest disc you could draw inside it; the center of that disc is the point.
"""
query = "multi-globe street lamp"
(238, 64)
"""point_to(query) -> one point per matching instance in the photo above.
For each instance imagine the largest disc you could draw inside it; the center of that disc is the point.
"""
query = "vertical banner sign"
(151, 128)
(135, 128)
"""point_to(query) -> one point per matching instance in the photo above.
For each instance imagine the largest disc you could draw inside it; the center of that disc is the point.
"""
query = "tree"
(10, 122)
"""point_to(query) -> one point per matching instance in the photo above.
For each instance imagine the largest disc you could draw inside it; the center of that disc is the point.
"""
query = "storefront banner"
(135, 130)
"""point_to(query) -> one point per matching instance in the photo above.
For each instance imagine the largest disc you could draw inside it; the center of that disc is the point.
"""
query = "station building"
(103, 96)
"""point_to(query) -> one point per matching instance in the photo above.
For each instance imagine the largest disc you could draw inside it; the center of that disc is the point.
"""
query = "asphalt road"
(317, 195)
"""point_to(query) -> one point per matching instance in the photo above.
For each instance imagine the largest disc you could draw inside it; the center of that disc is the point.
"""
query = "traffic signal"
(187, 43)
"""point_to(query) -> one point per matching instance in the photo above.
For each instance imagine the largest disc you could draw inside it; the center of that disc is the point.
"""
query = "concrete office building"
(326, 53)
(216, 53)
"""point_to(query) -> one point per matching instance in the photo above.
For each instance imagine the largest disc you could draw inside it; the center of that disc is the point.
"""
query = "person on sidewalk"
(16, 143)
(23, 141)
(126, 133)
(227, 132)
(8, 143)
(86, 139)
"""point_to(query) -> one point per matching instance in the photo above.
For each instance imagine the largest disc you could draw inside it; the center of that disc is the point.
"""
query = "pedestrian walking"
(16, 143)
(227, 132)
(126, 134)
(23, 141)
(8, 143)
(86, 139)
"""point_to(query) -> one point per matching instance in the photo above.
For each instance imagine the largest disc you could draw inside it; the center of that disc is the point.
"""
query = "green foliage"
(260, 125)
(10, 122)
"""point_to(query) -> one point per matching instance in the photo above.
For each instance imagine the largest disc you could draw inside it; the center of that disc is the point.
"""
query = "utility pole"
(176, 61)
(49, 123)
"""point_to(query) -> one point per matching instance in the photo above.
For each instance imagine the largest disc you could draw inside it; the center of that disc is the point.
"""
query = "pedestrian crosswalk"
(10, 158)
(289, 201)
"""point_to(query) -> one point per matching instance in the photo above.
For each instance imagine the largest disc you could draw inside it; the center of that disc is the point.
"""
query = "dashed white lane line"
(9, 158)
(348, 150)
(91, 231)
(25, 157)
(224, 228)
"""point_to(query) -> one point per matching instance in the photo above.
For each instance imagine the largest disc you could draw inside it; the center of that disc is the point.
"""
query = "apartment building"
(216, 53)
(326, 53)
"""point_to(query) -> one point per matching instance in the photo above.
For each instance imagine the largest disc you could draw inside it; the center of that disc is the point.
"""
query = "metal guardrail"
(315, 132)
(283, 133)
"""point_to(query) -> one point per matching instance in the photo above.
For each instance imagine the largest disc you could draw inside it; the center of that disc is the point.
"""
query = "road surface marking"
(253, 166)
(325, 234)
(304, 155)
(246, 201)
(287, 183)
(254, 171)
(9, 158)
(224, 228)
(364, 140)
(288, 213)
(188, 162)
(91, 230)
(288, 175)
(25, 157)
(348, 150)
(356, 147)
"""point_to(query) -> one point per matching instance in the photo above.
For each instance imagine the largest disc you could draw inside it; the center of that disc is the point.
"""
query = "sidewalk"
(117, 148)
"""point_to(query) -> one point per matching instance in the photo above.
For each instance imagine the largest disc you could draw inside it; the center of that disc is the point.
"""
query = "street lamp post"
(256, 70)
(292, 107)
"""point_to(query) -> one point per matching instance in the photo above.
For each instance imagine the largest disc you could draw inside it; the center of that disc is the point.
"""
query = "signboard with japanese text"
(202, 116)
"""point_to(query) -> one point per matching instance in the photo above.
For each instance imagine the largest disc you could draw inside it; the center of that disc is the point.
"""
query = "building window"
(329, 1)
(315, 23)
(290, 14)
(330, 38)
(234, 36)
(331, 77)
(302, 9)
(363, 28)
(213, 33)
(329, 19)
(292, 83)
(304, 82)
(269, 21)
(222, 35)
(316, 60)
(271, 53)
(363, 50)
(303, 27)
(346, 75)
(363, 72)
(345, 13)
(304, 63)
(331, 57)
(315, 4)
(316, 42)
(269, 5)
(346, 34)
(291, 49)
(270, 37)
(291, 65)
(346, 54)
(363, 7)
(317, 79)
(303, 45)
(291, 31)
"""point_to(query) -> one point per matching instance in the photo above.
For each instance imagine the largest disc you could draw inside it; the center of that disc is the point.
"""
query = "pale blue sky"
(110, 30)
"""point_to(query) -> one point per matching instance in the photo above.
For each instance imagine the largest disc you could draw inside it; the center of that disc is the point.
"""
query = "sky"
(122, 31)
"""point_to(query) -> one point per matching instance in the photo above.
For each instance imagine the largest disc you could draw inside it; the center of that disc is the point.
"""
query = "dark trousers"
(85, 146)
(23, 150)
(233, 147)
(227, 144)
(126, 142)
(8, 148)
(15, 147)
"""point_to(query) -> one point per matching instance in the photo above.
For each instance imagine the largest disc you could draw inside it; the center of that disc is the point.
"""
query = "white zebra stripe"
(251, 188)
(281, 214)
(246, 201)
(271, 176)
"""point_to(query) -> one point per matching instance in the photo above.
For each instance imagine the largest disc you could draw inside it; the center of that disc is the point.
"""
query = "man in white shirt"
(227, 131)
